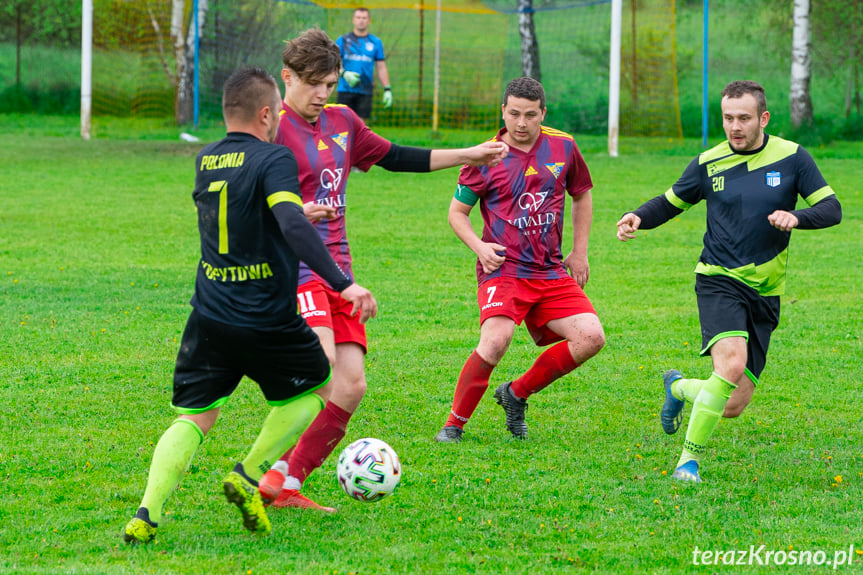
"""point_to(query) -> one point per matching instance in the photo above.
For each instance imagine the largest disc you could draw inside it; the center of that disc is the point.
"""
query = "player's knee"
(492, 349)
(357, 388)
(596, 341)
(588, 343)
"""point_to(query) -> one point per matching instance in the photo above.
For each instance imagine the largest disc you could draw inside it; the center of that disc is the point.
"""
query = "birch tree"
(529, 43)
(183, 42)
(801, 63)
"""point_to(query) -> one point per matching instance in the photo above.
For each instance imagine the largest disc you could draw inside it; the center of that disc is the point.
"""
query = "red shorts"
(536, 302)
(322, 306)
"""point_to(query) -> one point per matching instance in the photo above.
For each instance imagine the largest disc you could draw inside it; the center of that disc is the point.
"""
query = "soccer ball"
(369, 469)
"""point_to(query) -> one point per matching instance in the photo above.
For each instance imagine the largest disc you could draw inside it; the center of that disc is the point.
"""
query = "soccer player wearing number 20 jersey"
(522, 274)
(750, 184)
(328, 141)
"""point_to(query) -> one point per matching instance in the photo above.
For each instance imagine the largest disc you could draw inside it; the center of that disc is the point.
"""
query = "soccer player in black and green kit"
(244, 321)
(750, 184)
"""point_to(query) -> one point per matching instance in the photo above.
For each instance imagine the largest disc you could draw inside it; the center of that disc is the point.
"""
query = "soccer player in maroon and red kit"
(521, 272)
(328, 141)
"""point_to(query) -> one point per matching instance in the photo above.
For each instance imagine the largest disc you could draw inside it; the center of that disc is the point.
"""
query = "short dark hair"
(526, 88)
(246, 91)
(312, 55)
(738, 88)
(361, 9)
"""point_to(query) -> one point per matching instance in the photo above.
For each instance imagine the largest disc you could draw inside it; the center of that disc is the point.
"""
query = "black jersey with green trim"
(741, 190)
(247, 275)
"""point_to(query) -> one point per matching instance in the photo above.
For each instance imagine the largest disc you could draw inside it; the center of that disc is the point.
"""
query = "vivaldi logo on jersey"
(774, 179)
(330, 179)
(530, 202)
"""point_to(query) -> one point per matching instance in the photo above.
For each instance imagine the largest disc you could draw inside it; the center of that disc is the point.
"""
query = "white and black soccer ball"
(369, 469)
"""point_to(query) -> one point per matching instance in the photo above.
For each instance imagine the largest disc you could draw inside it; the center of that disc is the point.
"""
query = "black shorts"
(727, 308)
(285, 362)
(359, 103)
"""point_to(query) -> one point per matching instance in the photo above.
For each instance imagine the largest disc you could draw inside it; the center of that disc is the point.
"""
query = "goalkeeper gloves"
(352, 78)
(388, 97)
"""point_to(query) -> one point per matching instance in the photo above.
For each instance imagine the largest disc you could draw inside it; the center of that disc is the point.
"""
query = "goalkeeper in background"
(362, 53)
(750, 184)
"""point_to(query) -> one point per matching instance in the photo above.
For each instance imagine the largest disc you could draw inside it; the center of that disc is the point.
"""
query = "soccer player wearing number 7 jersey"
(520, 269)
(244, 320)
(328, 141)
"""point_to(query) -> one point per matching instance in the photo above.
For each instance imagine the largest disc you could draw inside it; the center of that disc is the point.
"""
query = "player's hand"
(578, 268)
(363, 300)
(316, 212)
(782, 220)
(352, 78)
(487, 154)
(627, 226)
(388, 97)
(491, 256)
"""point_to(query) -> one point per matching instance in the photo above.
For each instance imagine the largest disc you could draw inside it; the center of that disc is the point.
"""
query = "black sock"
(144, 513)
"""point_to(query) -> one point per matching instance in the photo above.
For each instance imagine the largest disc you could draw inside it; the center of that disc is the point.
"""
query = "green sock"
(280, 431)
(706, 412)
(171, 457)
(687, 389)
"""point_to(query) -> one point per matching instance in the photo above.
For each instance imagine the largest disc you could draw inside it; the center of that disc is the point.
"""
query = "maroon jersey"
(523, 202)
(326, 151)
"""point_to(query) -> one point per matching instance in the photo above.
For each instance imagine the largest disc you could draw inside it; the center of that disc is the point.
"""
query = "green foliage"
(54, 22)
(99, 249)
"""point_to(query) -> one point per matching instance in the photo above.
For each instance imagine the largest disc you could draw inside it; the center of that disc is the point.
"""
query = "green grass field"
(98, 250)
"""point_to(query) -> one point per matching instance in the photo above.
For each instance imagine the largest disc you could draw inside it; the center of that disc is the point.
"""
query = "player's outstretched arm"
(491, 256)
(363, 300)
(627, 226)
(485, 154)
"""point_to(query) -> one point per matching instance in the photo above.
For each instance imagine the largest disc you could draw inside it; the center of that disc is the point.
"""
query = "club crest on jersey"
(555, 169)
(774, 179)
(530, 171)
(341, 140)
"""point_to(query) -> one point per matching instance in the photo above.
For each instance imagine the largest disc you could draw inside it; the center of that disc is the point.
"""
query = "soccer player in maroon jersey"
(328, 141)
(521, 272)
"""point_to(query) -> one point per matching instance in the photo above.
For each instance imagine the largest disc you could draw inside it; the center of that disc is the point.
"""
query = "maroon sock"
(553, 363)
(471, 385)
(318, 441)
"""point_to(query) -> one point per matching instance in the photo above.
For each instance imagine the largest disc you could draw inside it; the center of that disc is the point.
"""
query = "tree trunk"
(529, 43)
(186, 69)
(801, 61)
(178, 40)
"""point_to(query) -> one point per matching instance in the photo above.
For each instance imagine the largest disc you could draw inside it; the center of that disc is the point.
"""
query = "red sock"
(553, 363)
(287, 456)
(471, 385)
(318, 441)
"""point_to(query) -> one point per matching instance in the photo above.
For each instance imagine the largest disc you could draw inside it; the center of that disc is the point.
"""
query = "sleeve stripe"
(819, 195)
(279, 197)
(465, 195)
(675, 201)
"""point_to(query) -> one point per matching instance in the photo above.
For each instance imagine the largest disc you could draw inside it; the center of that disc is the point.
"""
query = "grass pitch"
(98, 250)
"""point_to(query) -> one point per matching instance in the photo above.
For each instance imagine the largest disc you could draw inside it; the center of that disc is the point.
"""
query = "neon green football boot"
(138, 531)
(240, 492)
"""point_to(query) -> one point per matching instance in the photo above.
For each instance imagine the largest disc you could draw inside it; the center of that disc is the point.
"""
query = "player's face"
(273, 116)
(308, 98)
(523, 120)
(361, 22)
(743, 125)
